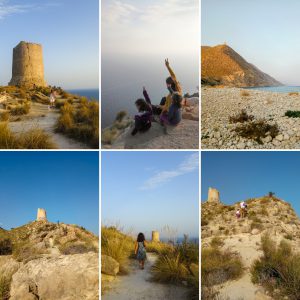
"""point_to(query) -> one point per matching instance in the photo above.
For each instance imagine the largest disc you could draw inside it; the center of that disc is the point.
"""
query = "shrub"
(25, 252)
(7, 138)
(75, 248)
(292, 114)
(5, 282)
(169, 269)
(278, 268)
(82, 125)
(5, 116)
(121, 115)
(241, 117)
(5, 247)
(21, 109)
(36, 139)
(245, 94)
(293, 94)
(257, 130)
(219, 266)
(216, 242)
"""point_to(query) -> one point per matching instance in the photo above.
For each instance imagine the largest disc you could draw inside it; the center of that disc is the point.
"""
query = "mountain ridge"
(221, 65)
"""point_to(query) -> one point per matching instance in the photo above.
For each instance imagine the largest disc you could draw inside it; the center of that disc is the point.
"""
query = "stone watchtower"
(28, 66)
(155, 236)
(41, 215)
(213, 196)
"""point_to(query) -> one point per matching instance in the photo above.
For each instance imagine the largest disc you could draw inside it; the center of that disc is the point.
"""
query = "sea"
(91, 94)
(123, 78)
(276, 89)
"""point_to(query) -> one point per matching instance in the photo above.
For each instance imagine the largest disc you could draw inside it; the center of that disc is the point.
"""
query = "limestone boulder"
(64, 277)
(109, 266)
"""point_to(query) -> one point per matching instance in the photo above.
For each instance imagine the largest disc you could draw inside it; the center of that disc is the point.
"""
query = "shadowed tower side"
(28, 65)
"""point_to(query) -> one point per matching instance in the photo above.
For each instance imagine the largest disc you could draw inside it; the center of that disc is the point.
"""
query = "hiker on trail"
(238, 213)
(142, 120)
(243, 209)
(174, 114)
(140, 250)
(52, 99)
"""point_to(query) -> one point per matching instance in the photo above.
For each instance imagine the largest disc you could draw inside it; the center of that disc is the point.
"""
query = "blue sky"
(243, 175)
(63, 183)
(144, 191)
(265, 33)
(68, 31)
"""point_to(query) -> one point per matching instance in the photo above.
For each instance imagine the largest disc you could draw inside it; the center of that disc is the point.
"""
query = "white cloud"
(7, 9)
(189, 165)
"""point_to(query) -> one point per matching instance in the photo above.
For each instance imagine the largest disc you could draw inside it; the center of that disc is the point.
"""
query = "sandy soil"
(41, 117)
(247, 246)
(137, 286)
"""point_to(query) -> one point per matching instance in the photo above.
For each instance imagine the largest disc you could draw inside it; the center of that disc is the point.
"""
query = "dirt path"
(247, 246)
(41, 117)
(137, 286)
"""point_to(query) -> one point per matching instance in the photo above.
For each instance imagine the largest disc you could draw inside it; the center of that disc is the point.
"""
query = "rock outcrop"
(41, 215)
(28, 65)
(221, 65)
(64, 277)
(183, 136)
(109, 266)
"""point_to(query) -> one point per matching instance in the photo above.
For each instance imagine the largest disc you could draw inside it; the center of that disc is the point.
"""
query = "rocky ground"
(243, 236)
(50, 261)
(137, 285)
(183, 136)
(219, 104)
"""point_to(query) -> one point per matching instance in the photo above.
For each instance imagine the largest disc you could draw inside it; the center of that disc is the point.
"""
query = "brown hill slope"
(221, 65)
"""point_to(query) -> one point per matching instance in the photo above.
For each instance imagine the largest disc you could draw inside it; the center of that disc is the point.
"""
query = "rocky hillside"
(221, 65)
(267, 216)
(43, 260)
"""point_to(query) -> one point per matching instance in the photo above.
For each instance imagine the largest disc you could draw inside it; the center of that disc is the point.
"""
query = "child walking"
(140, 250)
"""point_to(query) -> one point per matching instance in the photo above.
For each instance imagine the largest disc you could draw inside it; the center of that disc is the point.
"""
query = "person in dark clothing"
(142, 120)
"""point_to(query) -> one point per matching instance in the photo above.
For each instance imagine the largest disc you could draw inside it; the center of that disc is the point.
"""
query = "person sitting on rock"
(174, 114)
(173, 85)
(140, 250)
(142, 120)
(238, 213)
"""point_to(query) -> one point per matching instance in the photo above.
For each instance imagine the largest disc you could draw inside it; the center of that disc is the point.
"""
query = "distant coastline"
(276, 89)
(91, 94)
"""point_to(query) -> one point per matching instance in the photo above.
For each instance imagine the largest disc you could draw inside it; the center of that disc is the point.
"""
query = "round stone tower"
(41, 215)
(155, 236)
(213, 195)
(28, 66)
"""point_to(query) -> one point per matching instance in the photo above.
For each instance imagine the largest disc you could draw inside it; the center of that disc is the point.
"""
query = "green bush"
(278, 268)
(5, 247)
(292, 114)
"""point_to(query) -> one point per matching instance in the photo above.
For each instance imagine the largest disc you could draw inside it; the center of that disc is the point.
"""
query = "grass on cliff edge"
(31, 139)
(218, 266)
(81, 123)
(278, 269)
(5, 282)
